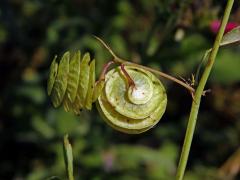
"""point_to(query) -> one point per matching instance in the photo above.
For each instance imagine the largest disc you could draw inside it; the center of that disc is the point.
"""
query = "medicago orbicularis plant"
(129, 97)
(121, 91)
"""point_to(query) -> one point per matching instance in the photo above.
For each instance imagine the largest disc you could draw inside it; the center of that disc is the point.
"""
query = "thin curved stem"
(191, 89)
(162, 74)
(129, 79)
(199, 91)
(104, 70)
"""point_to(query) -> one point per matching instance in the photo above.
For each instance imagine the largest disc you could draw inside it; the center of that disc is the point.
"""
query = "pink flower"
(214, 26)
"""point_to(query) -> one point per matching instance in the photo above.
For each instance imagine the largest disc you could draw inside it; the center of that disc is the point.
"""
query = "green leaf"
(232, 37)
(68, 157)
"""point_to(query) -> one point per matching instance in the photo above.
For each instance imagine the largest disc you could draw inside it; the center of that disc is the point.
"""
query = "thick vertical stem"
(197, 98)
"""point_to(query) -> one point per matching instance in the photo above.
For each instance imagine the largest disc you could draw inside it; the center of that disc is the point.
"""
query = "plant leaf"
(232, 37)
(68, 157)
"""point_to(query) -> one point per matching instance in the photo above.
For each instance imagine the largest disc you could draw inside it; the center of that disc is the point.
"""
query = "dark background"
(169, 35)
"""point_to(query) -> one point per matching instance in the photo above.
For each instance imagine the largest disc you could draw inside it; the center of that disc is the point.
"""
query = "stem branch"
(116, 59)
(162, 74)
(197, 98)
(104, 70)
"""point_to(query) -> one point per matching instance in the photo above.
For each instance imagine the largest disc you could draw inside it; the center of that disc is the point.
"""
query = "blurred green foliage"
(31, 130)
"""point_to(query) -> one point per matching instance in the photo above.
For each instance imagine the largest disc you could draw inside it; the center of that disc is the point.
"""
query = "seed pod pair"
(71, 82)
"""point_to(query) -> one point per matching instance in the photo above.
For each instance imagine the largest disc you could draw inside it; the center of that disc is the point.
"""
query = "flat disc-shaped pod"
(77, 105)
(142, 90)
(52, 75)
(84, 78)
(91, 83)
(126, 124)
(60, 83)
(73, 76)
(72, 82)
(126, 115)
(72, 87)
(98, 87)
(117, 92)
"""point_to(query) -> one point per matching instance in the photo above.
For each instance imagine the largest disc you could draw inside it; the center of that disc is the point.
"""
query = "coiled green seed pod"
(130, 99)
(71, 82)
(132, 109)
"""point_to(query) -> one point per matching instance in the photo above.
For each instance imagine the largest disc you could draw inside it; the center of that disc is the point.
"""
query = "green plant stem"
(197, 98)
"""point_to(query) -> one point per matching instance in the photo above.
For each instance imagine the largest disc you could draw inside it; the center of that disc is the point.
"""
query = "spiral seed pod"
(71, 82)
(132, 109)
(130, 99)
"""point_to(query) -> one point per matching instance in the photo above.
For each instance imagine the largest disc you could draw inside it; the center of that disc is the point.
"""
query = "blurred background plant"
(170, 35)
